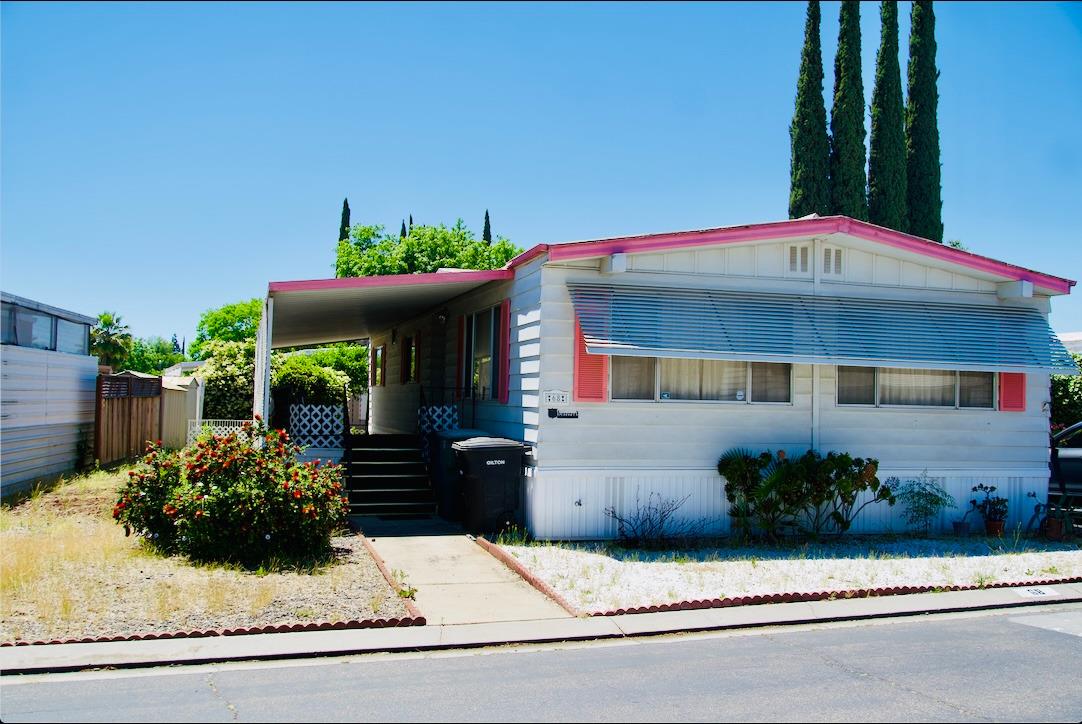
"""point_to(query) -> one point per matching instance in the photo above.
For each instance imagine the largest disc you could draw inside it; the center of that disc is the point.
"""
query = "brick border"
(415, 618)
(761, 599)
(511, 562)
(411, 608)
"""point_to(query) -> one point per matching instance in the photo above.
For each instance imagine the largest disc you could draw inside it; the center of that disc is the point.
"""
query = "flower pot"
(961, 528)
(1053, 528)
(994, 528)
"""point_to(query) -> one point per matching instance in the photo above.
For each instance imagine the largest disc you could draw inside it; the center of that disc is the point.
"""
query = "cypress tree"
(848, 184)
(411, 222)
(402, 233)
(486, 235)
(923, 186)
(886, 157)
(809, 169)
(343, 227)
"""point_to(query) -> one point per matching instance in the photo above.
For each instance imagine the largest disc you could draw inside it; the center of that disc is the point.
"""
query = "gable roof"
(808, 226)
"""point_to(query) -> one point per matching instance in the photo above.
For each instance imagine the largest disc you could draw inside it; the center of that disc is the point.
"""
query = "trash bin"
(492, 471)
(444, 469)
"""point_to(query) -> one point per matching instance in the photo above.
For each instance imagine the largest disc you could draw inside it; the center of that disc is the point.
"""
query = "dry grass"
(67, 570)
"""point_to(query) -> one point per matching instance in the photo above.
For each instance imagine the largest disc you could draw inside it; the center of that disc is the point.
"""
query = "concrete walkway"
(73, 657)
(457, 581)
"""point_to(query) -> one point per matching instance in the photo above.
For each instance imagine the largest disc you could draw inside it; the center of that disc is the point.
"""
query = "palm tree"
(110, 340)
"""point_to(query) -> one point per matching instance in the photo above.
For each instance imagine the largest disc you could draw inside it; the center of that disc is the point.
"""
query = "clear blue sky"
(159, 160)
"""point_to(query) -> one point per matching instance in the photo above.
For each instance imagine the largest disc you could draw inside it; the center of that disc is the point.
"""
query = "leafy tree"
(848, 184)
(923, 186)
(809, 190)
(111, 340)
(349, 359)
(886, 157)
(371, 252)
(298, 377)
(229, 323)
(176, 345)
(343, 227)
(1067, 398)
(152, 355)
(229, 376)
(486, 235)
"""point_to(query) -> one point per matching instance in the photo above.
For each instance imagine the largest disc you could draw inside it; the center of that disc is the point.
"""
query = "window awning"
(764, 327)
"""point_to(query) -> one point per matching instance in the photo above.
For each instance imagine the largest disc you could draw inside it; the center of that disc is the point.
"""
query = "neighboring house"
(630, 364)
(46, 392)
(1072, 341)
(183, 368)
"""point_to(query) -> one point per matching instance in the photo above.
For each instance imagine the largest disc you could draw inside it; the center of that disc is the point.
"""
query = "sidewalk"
(71, 657)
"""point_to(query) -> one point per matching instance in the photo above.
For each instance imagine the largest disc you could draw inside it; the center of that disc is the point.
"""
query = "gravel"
(599, 577)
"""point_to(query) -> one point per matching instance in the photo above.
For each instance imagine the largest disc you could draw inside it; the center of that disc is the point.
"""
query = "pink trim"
(527, 256)
(803, 227)
(393, 280)
(505, 357)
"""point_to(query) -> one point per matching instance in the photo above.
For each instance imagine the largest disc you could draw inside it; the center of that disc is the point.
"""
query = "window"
(72, 337)
(482, 348)
(379, 355)
(633, 378)
(7, 324)
(647, 378)
(887, 387)
(799, 256)
(410, 360)
(33, 329)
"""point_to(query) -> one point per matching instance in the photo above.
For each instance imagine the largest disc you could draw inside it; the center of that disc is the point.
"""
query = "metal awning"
(765, 327)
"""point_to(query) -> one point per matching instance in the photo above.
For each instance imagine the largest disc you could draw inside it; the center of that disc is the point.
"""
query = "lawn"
(68, 571)
(596, 577)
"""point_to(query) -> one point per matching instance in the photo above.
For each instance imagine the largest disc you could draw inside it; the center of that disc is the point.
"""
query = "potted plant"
(961, 525)
(993, 509)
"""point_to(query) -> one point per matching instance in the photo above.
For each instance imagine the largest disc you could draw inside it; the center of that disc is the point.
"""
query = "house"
(630, 364)
(46, 392)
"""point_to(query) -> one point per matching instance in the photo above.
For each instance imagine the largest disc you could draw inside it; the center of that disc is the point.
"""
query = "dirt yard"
(68, 571)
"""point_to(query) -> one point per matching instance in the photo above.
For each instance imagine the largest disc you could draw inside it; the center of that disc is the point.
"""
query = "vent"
(798, 259)
(832, 261)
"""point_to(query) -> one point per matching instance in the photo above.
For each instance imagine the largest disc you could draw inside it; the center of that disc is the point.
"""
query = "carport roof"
(335, 310)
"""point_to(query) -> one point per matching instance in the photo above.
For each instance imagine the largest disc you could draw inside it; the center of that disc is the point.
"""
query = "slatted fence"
(127, 415)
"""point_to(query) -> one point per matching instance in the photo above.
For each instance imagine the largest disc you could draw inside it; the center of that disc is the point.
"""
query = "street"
(1021, 665)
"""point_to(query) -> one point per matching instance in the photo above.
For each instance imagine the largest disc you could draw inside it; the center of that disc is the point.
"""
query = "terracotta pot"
(994, 528)
(961, 527)
(1053, 528)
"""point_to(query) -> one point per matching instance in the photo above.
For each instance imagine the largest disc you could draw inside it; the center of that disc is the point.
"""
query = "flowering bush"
(241, 497)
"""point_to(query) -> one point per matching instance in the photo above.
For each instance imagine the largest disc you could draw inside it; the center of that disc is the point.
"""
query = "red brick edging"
(818, 596)
(413, 611)
(511, 562)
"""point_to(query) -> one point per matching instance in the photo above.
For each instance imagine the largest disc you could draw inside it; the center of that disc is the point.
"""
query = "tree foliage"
(486, 234)
(923, 185)
(848, 183)
(886, 157)
(371, 252)
(299, 378)
(1067, 398)
(343, 226)
(229, 376)
(809, 190)
(152, 355)
(349, 359)
(111, 340)
(237, 322)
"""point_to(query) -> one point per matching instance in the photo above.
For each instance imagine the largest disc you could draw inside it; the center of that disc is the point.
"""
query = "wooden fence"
(127, 415)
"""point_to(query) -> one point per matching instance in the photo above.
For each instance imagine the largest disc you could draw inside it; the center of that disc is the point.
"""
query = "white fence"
(319, 426)
(217, 427)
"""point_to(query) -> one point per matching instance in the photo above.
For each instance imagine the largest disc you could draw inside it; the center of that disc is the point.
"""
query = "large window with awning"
(674, 379)
(890, 387)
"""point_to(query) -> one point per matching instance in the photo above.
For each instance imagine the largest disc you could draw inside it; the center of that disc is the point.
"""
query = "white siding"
(46, 413)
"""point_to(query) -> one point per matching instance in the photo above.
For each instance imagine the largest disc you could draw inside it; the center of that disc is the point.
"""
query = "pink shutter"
(1012, 391)
(505, 351)
(591, 371)
(461, 350)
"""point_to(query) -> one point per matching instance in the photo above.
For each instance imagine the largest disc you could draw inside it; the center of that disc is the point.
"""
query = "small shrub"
(241, 498)
(652, 524)
(924, 499)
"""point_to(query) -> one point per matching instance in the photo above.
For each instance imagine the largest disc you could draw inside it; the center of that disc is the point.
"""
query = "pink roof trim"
(793, 227)
(392, 280)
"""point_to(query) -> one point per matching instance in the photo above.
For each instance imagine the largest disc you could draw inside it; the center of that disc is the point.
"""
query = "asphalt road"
(1025, 665)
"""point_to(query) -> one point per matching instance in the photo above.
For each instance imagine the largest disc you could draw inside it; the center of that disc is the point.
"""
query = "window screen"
(71, 337)
(976, 389)
(770, 382)
(856, 385)
(633, 378)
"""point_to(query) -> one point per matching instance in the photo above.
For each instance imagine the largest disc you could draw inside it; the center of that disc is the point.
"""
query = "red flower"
(296, 494)
(285, 485)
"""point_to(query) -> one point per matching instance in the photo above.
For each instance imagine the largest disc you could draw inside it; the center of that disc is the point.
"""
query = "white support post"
(268, 339)
(261, 381)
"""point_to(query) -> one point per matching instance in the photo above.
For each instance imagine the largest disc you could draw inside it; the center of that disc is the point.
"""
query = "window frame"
(379, 366)
(657, 385)
(495, 340)
(957, 393)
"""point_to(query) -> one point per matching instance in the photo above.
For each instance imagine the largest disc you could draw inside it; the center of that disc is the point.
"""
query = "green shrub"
(1067, 398)
(924, 499)
(300, 378)
(229, 378)
(240, 498)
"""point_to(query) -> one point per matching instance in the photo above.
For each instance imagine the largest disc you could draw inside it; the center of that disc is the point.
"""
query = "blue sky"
(159, 160)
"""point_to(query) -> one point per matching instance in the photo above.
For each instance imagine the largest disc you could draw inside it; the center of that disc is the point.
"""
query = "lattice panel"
(216, 427)
(434, 418)
(317, 425)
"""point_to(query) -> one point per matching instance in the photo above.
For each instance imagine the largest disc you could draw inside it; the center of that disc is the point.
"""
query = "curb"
(511, 562)
(762, 599)
(414, 612)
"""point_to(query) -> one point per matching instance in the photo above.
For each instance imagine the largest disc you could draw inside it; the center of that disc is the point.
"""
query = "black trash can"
(492, 471)
(444, 470)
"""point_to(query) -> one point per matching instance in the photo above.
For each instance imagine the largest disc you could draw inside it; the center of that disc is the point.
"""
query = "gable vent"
(832, 261)
(798, 259)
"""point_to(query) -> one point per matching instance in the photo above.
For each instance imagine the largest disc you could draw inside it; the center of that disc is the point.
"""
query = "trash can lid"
(475, 443)
(460, 433)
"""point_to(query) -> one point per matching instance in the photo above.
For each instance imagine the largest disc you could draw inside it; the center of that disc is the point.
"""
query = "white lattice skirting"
(317, 425)
(216, 427)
